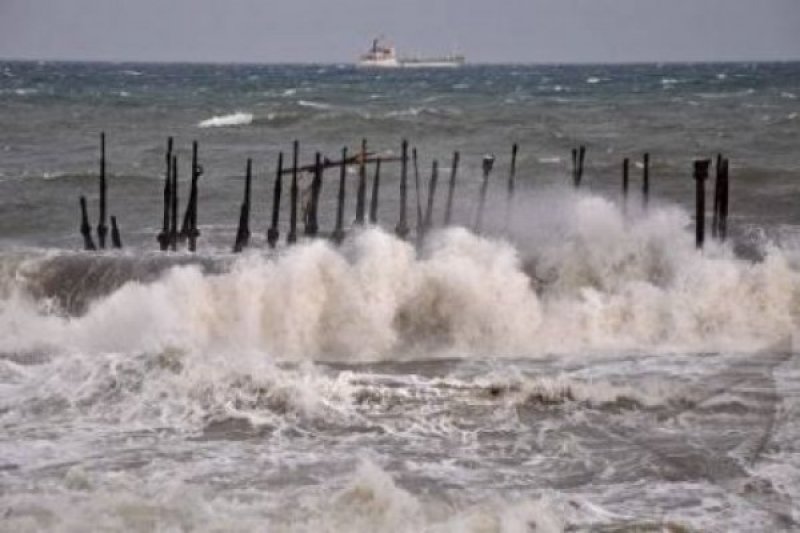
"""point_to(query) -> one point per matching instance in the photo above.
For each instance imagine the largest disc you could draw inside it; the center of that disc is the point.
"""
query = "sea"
(572, 363)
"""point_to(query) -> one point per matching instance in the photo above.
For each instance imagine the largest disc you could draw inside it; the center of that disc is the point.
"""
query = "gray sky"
(338, 30)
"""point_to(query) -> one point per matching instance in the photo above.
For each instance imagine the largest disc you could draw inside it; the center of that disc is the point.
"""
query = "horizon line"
(354, 63)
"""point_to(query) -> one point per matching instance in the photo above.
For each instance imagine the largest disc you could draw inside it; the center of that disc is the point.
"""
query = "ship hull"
(422, 63)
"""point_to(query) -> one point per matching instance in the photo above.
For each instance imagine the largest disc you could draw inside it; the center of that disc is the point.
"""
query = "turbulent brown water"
(579, 366)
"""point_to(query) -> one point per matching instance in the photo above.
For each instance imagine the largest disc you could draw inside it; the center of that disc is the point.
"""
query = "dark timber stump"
(361, 192)
(243, 230)
(402, 225)
(189, 227)
(102, 228)
(646, 179)
(625, 183)
(163, 237)
(116, 240)
(273, 233)
(717, 194)
(723, 201)
(312, 221)
(451, 189)
(291, 238)
(173, 227)
(338, 232)
(428, 222)
(488, 163)
(376, 187)
(700, 176)
(511, 187)
(417, 188)
(86, 228)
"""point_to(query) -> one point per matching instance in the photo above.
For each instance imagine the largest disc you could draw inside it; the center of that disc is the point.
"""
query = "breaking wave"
(238, 118)
(583, 280)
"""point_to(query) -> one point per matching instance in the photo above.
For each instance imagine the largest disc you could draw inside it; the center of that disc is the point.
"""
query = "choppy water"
(579, 366)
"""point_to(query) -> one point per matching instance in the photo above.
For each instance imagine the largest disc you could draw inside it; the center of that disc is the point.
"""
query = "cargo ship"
(385, 56)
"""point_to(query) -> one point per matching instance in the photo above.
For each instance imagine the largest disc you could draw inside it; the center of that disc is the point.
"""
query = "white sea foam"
(582, 280)
(238, 118)
(367, 500)
(549, 160)
(313, 105)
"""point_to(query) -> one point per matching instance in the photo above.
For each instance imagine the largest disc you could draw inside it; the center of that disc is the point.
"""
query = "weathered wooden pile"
(171, 236)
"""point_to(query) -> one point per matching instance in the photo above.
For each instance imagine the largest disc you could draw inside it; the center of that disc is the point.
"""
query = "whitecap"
(313, 105)
(549, 160)
(238, 118)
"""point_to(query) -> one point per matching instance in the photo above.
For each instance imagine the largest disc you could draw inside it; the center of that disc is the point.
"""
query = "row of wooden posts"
(171, 234)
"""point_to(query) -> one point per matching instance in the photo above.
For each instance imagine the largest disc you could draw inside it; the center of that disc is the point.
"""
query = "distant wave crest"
(238, 118)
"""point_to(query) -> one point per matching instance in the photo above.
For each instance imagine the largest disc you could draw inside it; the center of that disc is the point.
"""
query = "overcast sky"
(338, 30)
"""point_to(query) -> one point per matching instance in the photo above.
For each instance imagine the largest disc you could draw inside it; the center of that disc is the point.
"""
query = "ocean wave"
(313, 105)
(584, 281)
(549, 160)
(238, 118)
(363, 499)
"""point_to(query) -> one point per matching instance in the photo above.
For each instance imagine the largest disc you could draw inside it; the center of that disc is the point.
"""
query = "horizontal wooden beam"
(354, 160)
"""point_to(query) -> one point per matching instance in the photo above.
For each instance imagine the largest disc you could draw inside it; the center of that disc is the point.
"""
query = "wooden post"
(291, 238)
(723, 202)
(417, 187)
(173, 228)
(376, 185)
(243, 231)
(273, 233)
(116, 240)
(448, 209)
(239, 244)
(338, 232)
(717, 193)
(575, 182)
(189, 226)
(625, 183)
(511, 186)
(102, 229)
(86, 228)
(700, 176)
(428, 223)
(312, 222)
(361, 193)
(163, 237)
(488, 163)
(402, 225)
(646, 180)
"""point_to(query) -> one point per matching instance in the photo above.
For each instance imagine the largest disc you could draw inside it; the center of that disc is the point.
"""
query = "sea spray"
(596, 284)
